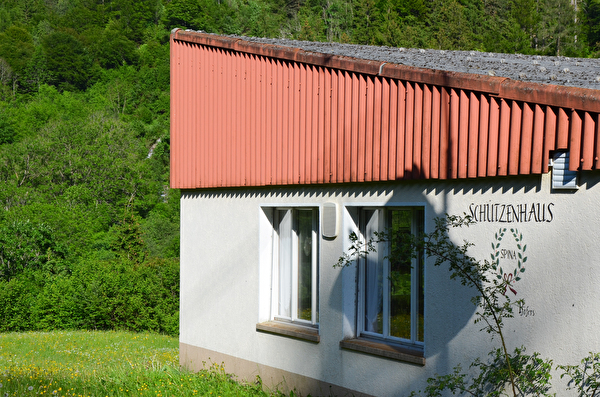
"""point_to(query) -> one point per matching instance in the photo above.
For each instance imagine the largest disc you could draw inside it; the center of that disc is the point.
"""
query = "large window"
(390, 282)
(295, 252)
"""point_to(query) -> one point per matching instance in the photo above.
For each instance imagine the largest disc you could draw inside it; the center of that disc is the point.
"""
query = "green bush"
(115, 294)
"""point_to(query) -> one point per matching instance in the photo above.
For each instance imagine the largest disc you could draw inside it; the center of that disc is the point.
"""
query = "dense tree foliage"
(89, 228)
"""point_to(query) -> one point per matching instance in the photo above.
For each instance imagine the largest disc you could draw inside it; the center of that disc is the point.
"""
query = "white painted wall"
(223, 293)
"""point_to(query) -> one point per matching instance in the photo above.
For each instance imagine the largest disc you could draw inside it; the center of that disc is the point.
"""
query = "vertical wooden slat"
(335, 126)
(463, 134)
(537, 150)
(350, 134)
(562, 134)
(587, 150)
(377, 147)
(369, 129)
(207, 123)
(311, 138)
(435, 132)
(361, 142)
(233, 109)
(494, 137)
(261, 148)
(271, 131)
(219, 116)
(328, 117)
(409, 126)
(279, 93)
(215, 117)
(188, 122)
(226, 160)
(393, 131)
(301, 133)
(454, 134)
(576, 132)
(385, 129)
(400, 130)
(177, 128)
(473, 138)
(174, 94)
(247, 132)
(515, 138)
(200, 125)
(313, 141)
(223, 105)
(298, 121)
(286, 132)
(484, 123)
(426, 135)
(341, 125)
(549, 135)
(319, 152)
(504, 136)
(597, 143)
(526, 140)
(417, 132)
(445, 144)
(262, 107)
(355, 114)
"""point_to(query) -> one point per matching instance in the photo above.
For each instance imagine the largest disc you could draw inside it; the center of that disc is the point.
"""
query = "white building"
(282, 153)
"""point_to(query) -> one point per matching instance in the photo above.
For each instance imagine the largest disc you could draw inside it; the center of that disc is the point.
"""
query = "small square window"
(390, 291)
(295, 268)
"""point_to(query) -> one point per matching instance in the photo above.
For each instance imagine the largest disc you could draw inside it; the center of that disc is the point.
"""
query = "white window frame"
(382, 251)
(276, 267)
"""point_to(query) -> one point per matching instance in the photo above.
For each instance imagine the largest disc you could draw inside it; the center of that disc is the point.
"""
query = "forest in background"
(89, 228)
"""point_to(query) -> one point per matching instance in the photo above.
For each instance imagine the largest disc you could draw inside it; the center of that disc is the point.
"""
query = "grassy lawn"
(81, 363)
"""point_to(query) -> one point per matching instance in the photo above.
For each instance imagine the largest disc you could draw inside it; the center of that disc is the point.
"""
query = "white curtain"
(373, 277)
(285, 263)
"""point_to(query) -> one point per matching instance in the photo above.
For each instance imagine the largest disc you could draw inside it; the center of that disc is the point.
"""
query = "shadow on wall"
(448, 306)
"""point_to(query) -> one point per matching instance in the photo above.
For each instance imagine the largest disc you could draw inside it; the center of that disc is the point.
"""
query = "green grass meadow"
(84, 363)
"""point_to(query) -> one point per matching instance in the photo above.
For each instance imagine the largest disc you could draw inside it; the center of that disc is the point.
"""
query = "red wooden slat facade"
(248, 114)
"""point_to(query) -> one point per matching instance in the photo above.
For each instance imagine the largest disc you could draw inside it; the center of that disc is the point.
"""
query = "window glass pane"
(373, 298)
(305, 226)
(285, 263)
(420, 264)
(400, 222)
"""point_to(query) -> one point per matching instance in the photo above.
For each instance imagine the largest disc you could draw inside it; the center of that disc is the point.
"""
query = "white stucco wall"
(222, 295)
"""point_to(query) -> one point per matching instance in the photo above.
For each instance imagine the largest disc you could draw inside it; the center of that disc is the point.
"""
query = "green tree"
(452, 30)
(24, 245)
(16, 48)
(366, 22)
(68, 61)
(557, 31)
(590, 24)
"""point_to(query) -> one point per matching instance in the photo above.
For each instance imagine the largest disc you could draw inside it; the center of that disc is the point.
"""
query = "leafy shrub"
(26, 245)
(97, 295)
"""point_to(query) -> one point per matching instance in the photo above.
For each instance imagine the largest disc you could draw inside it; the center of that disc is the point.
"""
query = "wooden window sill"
(395, 352)
(290, 330)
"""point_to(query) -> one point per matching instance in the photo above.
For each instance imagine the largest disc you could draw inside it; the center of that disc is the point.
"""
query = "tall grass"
(82, 363)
